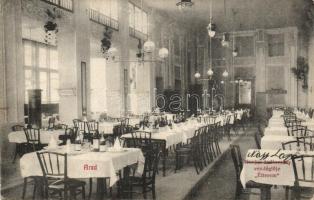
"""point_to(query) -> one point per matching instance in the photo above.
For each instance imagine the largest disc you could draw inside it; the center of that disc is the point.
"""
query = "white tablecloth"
(271, 170)
(170, 136)
(275, 141)
(179, 133)
(107, 127)
(107, 163)
(45, 136)
(278, 130)
(309, 124)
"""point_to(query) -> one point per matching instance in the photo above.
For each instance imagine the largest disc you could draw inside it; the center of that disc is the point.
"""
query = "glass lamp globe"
(112, 51)
(240, 81)
(211, 30)
(225, 43)
(149, 46)
(236, 81)
(225, 74)
(210, 72)
(197, 75)
(211, 33)
(234, 53)
(163, 53)
(222, 82)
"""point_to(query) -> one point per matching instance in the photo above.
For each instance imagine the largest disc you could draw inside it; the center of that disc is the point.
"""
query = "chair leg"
(144, 191)
(16, 152)
(287, 192)
(24, 188)
(83, 192)
(153, 191)
(90, 188)
(34, 190)
(177, 164)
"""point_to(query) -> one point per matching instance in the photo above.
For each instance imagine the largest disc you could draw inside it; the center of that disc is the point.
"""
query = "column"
(311, 72)
(3, 110)
(117, 72)
(73, 49)
(14, 71)
(260, 72)
(260, 62)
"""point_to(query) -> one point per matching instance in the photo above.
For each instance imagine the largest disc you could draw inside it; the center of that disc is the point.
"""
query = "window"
(138, 21)
(41, 70)
(105, 12)
(276, 45)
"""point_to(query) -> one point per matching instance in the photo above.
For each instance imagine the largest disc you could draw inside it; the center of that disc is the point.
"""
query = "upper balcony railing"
(100, 18)
(63, 4)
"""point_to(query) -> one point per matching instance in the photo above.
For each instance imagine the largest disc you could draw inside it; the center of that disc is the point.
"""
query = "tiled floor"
(219, 185)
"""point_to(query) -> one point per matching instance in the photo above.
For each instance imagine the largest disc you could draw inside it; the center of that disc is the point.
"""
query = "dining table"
(45, 136)
(170, 136)
(107, 127)
(272, 166)
(275, 141)
(86, 163)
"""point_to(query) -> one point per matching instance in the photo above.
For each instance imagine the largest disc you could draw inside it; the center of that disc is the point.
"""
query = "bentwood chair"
(33, 144)
(301, 144)
(33, 139)
(238, 165)
(303, 169)
(81, 125)
(142, 140)
(69, 133)
(20, 148)
(51, 123)
(56, 182)
(298, 131)
(146, 181)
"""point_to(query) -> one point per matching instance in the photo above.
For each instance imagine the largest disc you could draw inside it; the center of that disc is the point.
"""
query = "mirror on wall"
(245, 92)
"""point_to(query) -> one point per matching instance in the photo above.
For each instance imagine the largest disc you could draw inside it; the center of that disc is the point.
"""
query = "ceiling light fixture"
(149, 46)
(225, 40)
(225, 74)
(163, 52)
(211, 28)
(185, 4)
(197, 75)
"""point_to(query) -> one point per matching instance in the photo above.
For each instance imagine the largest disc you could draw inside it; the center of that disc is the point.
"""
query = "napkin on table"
(53, 142)
(117, 145)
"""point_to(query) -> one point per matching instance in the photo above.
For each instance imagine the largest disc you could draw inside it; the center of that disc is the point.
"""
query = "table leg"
(38, 190)
(164, 154)
(100, 188)
(265, 193)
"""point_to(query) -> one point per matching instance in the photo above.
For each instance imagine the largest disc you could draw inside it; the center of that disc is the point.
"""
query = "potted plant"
(106, 41)
(301, 71)
(51, 26)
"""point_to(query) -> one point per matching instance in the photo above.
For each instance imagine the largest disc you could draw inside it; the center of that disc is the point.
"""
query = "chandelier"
(163, 52)
(185, 4)
(211, 28)
(225, 74)
(149, 46)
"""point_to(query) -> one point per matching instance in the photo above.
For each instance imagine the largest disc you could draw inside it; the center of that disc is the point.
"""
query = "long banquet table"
(169, 137)
(275, 141)
(273, 167)
(270, 164)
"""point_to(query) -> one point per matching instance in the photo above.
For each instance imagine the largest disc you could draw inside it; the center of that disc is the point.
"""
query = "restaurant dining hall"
(157, 99)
